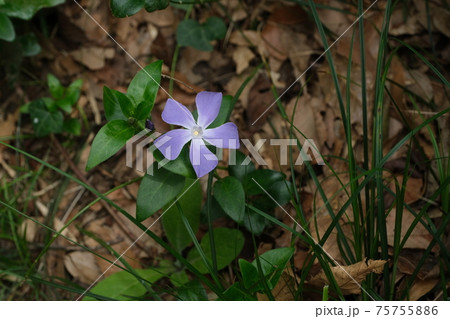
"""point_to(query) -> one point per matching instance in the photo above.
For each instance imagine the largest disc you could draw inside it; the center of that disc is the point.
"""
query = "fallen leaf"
(420, 238)
(245, 38)
(259, 99)
(414, 188)
(421, 287)
(242, 57)
(349, 278)
(272, 35)
(409, 259)
(8, 125)
(284, 290)
(82, 266)
(93, 57)
(29, 229)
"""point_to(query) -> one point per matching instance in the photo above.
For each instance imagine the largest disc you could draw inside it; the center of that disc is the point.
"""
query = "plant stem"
(210, 228)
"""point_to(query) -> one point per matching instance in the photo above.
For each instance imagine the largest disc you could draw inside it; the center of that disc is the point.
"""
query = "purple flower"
(202, 159)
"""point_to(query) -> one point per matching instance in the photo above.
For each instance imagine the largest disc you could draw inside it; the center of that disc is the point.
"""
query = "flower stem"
(175, 56)
(210, 228)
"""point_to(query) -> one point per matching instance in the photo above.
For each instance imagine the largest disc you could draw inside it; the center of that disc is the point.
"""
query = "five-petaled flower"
(171, 143)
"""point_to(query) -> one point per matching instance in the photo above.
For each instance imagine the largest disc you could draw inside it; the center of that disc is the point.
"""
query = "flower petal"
(224, 136)
(171, 143)
(202, 159)
(208, 106)
(177, 114)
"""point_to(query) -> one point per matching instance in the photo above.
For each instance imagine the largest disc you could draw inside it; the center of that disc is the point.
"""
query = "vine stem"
(176, 53)
(210, 228)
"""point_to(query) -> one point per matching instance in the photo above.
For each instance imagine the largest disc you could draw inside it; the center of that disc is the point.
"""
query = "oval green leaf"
(191, 203)
(124, 286)
(7, 32)
(240, 170)
(257, 182)
(144, 86)
(156, 191)
(228, 242)
(126, 8)
(230, 195)
(108, 141)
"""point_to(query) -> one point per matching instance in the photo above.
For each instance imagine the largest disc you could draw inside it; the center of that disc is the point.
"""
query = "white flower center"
(197, 132)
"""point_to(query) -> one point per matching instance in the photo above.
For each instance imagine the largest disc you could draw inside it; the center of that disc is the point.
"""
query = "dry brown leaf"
(272, 35)
(335, 20)
(245, 38)
(440, 14)
(93, 57)
(419, 83)
(300, 258)
(350, 277)
(242, 57)
(414, 188)
(421, 287)
(29, 228)
(235, 83)
(160, 18)
(337, 196)
(259, 99)
(189, 58)
(401, 26)
(409, 259)
(284, 290)
(82, 266)
(420, 238)
(304, 117)
(8, 125)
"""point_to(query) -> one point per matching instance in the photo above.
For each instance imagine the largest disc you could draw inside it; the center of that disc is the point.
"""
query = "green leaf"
(229, 193)
(228, 242)
(56, 89)
(144, 86)
(45, 122)
(181, 165)
(254, 222)
(25, 109)
(215, 213)
(224, 113)
(108, 141)
(193, 34)
(264, 177)
(192, 291)
(179, 278)
(191, 203)
(124, 286)
(280, 193)
(111, 103)
(142, 111)
(249, 273)
(25, 9)
(240, 170)
(273, 263)
(7, 32)
(196, 35)
(30, 45)
(153, 5)
(126, 8)
(50, 104)
(71, 96)
(215, 28)
(156, 191)
(72, 126)
(237, 293)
